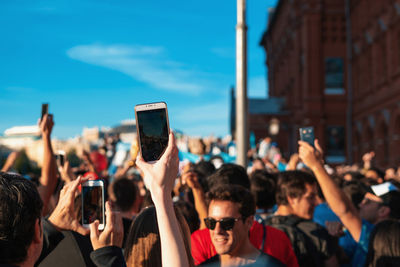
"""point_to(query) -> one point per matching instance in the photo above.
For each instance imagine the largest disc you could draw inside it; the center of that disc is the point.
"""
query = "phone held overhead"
(307, 135)
(45, 110)
(152, 129)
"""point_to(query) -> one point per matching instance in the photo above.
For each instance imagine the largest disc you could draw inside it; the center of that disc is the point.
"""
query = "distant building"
(305, 42)
(308, 66)
(19, 137)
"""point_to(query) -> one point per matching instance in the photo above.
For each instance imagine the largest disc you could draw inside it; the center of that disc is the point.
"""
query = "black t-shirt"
(263, 260)
(311, 242)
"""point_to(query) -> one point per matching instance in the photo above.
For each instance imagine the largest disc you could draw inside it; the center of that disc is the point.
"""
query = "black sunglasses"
(225, 223)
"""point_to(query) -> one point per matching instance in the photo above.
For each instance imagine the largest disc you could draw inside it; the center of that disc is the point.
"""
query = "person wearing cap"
(378, 205)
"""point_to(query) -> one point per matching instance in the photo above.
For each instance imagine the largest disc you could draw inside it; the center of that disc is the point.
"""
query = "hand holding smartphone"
(152, 129)
(45, 110)
(307, 135)
(93, 203)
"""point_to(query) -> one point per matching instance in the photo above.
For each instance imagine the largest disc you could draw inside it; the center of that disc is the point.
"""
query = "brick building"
(375, 40)
(308, 65)
(306, 46)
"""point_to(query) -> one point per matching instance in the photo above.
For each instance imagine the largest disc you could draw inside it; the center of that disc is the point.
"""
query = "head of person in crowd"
(384, 244)
(231, 210)
(376, 207)
(297, 192)
(390, 173)
(189, 212)
(143, 246)
(263, 187)
(355, 191)
(21, 234)
(352, 176)
(258, 164)
(229, 174)
(124, 194)
(375, 174)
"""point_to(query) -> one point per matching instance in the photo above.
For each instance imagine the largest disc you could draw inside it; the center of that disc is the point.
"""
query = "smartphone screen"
(92, 203)
(153, 132)
(307, 135)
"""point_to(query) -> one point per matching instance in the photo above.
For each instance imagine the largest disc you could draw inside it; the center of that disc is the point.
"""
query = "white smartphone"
(152, 129)
(93, 203)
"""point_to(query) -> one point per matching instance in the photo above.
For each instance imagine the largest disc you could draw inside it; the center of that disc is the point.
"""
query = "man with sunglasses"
(230, 217)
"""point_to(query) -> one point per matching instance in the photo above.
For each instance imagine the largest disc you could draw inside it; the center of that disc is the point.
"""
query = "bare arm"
(337, 200)
(10, 161)
(48, 179)
(198, 195)
(159, 178)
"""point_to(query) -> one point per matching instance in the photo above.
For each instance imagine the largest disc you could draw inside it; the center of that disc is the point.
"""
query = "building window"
(334, 78)
(335, 144)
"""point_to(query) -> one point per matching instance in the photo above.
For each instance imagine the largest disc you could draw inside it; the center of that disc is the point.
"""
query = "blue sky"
(94, 60)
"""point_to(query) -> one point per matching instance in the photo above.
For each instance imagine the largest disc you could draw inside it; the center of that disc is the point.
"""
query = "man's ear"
(38, 236)
(384, 212)
(249, 221)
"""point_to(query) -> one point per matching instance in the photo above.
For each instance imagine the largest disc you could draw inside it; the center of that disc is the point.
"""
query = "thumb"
(82, 230)
(94, 230)
(317, 146)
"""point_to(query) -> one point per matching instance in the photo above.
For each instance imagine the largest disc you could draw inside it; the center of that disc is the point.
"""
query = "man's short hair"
(229, 174)
(263, 188)
(20, 207)
(392, 200)
(292, 184)
(236, 194)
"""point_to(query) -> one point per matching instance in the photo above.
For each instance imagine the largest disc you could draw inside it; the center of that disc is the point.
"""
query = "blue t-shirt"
(360, 253)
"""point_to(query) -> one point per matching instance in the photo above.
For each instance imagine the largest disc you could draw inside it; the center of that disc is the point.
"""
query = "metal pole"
(349, 118)
(241, 85)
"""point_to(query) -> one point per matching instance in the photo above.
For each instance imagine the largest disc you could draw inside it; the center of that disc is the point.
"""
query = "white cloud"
(143, 63)
(257, 87)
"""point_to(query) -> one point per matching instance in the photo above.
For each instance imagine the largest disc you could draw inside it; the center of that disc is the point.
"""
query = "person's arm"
(48, 179)
(10, 161)
(340, 204)
(159, 178)
(198, 194)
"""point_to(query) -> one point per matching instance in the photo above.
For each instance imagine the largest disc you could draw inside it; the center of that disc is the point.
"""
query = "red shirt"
(277, 244)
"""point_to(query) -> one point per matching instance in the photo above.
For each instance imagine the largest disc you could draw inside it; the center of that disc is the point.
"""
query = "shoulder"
(267, 260)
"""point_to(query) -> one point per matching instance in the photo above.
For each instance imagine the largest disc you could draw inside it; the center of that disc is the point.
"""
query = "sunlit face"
(304, 205)
(228, 241)
(369, 208)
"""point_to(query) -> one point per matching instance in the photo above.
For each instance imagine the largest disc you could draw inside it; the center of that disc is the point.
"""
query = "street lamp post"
(241, 85)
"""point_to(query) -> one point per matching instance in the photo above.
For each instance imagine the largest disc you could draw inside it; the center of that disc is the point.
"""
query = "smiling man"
(230, 217)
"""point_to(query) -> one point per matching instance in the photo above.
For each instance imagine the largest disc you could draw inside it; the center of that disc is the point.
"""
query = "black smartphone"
(153, 129)
(45, 110)
(60, 158)
(93, 203)
(307, 135)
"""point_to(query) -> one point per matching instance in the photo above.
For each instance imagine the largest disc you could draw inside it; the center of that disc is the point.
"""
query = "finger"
(110, 215)
(170, 148)
(142, 165)
(94, 230)
(317, 146)
(82, 230)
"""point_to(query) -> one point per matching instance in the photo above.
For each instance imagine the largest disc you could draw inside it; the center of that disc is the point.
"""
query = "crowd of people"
(174, 212)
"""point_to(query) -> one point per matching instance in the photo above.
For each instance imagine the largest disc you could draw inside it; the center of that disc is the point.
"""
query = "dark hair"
(124, 192)
(384, 244)
(229, 174)
(189, 212)
(20, 208)
(143, 245)
(392, 200)
(263, 188)
(236, 194)
(205, 168)
(355, 190)
(292, 184)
